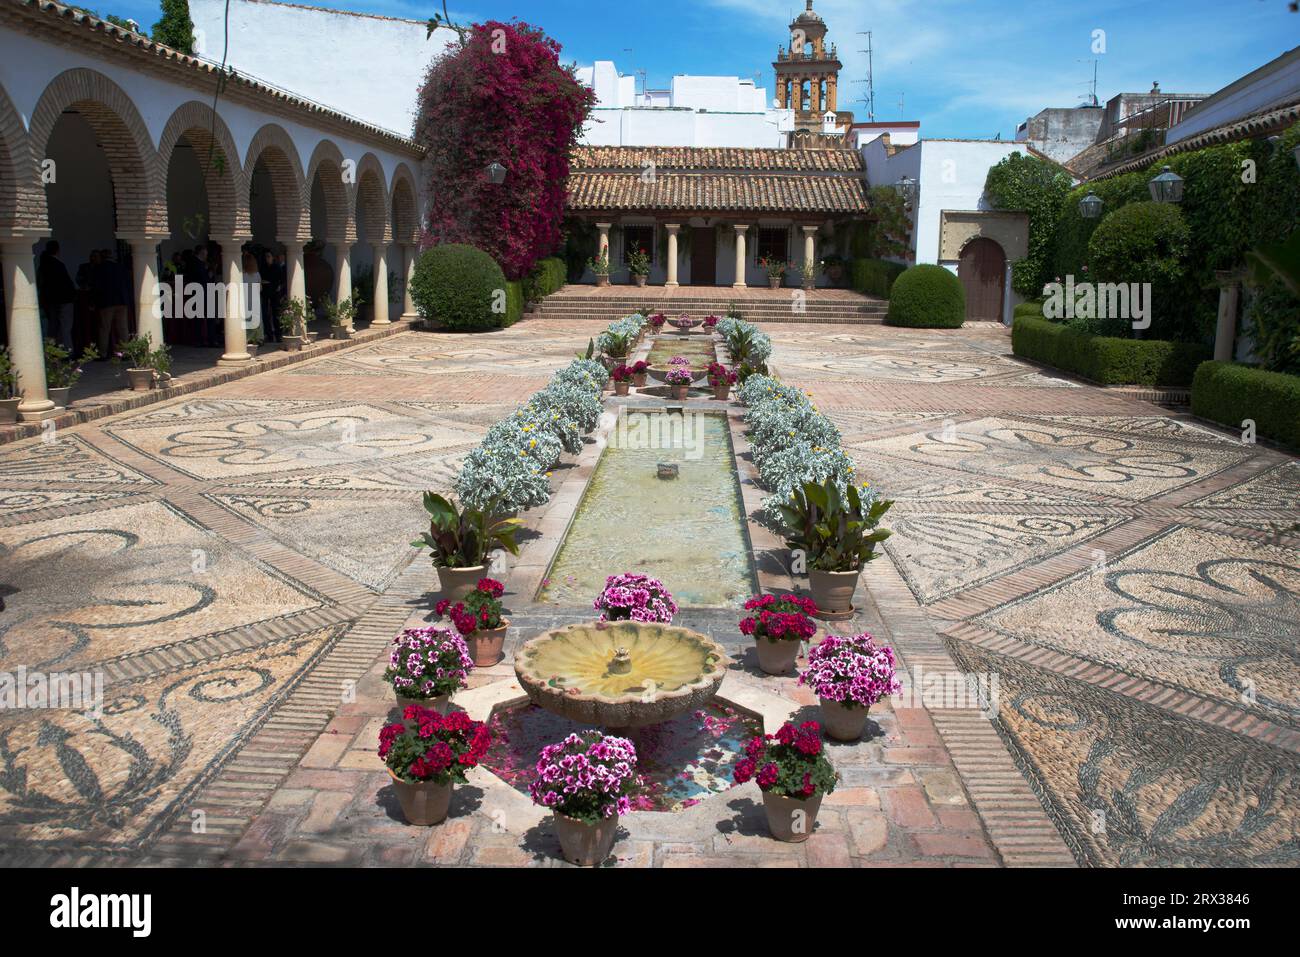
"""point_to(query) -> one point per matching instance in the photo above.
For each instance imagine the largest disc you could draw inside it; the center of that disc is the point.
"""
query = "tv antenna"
(1092, 89)
(870, 98)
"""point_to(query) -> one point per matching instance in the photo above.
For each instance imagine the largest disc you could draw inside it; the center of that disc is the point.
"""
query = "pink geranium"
(587, 776)
(633, 597)
(851, 670)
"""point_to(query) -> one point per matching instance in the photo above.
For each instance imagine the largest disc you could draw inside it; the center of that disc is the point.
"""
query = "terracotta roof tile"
(721, 192)
(709, 159)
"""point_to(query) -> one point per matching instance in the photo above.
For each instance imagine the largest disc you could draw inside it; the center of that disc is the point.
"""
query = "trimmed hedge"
(514, 302)
(456, 286)
(548, 276)
(927, 297)
(1106, 360)
(874, 277)
(1030, 310)
(1229, 394)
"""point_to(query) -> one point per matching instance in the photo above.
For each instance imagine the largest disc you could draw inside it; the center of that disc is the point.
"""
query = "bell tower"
(807, 80)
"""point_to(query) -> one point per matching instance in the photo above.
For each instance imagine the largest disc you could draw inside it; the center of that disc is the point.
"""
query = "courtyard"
(237, 561)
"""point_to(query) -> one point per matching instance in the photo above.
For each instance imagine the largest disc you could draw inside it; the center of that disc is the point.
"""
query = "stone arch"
(138, 193)
(223, 177)
(372, 200)
(276, 150)
(22, 201)
(327, 160)
(405, 210)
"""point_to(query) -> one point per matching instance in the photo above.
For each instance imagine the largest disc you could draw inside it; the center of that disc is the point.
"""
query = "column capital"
(673, 228)
(605, 226)
(741, 228)
(810, 229)
(146, 239)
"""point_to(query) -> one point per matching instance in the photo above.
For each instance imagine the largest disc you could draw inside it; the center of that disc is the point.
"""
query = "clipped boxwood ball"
(927, 297)
(459, 287)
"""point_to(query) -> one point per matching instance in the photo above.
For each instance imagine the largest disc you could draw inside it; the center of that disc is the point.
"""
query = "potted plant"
(253, 339)
(833, 266)
(722, 379)
(600, 267)
(711, 322)
(9, 397)
(775, 271)
(62, 373)
(293, 319)
(427, 666)
(160, 360)
(638, 264)
(137, 353)
(837, 532)
(480, 621)
(849, 674)
(426, 754)
(341, 316)
(657, 321)
(679, 379)
(614, 347)
(461, 539)
(634, 597)
(778, 625)
(585, 780)
(639, 370)
(794, 774)
(622, 376)
(808, 272)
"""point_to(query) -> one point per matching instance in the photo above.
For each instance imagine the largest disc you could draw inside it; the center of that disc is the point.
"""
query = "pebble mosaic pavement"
(233, 559)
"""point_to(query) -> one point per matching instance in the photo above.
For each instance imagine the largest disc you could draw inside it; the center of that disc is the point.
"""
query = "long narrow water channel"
(689, 532)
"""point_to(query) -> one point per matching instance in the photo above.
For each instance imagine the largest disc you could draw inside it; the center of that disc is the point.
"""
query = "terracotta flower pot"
(293, 343)
(640, 280)
(776, 657)
(458, 582)
(139, 380)
(774, 282)
(833, 591)
(440, 704)
(621, 388)
(638, 380)
(340, 332)
(486, 643)
(61, 396)
(679, 391)
(423, 804)
(251, 348)
(586, 845)
(722, 391)
(9, 409)
(841, 722)
(602, 280)
(791, 819)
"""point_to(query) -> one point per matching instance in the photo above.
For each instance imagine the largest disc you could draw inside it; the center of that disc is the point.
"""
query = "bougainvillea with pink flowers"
(779, 618)
(791, 763)
(428, 746)
(481, 608)
(587, 776)
(851, 670)
(500, 96)
(428, 663)
(633, 597)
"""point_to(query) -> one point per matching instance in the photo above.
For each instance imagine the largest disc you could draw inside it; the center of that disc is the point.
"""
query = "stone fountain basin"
(673, 671)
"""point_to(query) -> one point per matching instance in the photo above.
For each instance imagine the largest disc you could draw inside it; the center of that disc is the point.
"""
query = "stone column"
(740, 258)
(23, 320)
(236, 313)
(604, 237)
(379, 310)
(673, 230)
(410, 253)
(809, 244)
(1225, 336)
(295, 271)
(144, 269)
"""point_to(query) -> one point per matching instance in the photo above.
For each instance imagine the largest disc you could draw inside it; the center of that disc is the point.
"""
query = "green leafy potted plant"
(837, 534)
(638, 265)
(160, 360)
(293, 319)
(480, 621)
(775, 270)
(62, 373)
(461, 539)
(614, 348)
(794, 774)
(341, 316)
(137, 353)
(599, 265)
(9, 397)
(808, 272)
(253, 340)
(427, 754)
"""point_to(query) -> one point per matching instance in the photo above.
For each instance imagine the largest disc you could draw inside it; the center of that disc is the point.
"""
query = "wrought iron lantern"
(1167, 187)
(496, 173)
(1090, 206)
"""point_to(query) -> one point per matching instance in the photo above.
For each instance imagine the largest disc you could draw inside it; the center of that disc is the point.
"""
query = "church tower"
(807, 81)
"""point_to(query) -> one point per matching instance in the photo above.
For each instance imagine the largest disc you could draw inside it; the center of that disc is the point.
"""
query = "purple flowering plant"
(851, 670)
(633, 597)
(679, 375)
(587, 776)
(428, 663)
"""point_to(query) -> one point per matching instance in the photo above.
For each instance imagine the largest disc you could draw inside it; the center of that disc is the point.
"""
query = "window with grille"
(638, 237)
(773, 244)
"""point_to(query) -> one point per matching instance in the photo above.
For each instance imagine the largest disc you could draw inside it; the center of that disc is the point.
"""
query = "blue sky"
(964, 68)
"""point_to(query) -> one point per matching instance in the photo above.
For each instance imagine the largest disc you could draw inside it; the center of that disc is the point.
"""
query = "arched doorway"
(982, 271)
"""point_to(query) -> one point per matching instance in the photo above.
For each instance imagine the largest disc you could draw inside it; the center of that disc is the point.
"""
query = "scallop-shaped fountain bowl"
(621, 674)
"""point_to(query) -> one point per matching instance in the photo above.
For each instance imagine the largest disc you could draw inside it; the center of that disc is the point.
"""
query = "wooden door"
(704, 256)
(983, 273)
